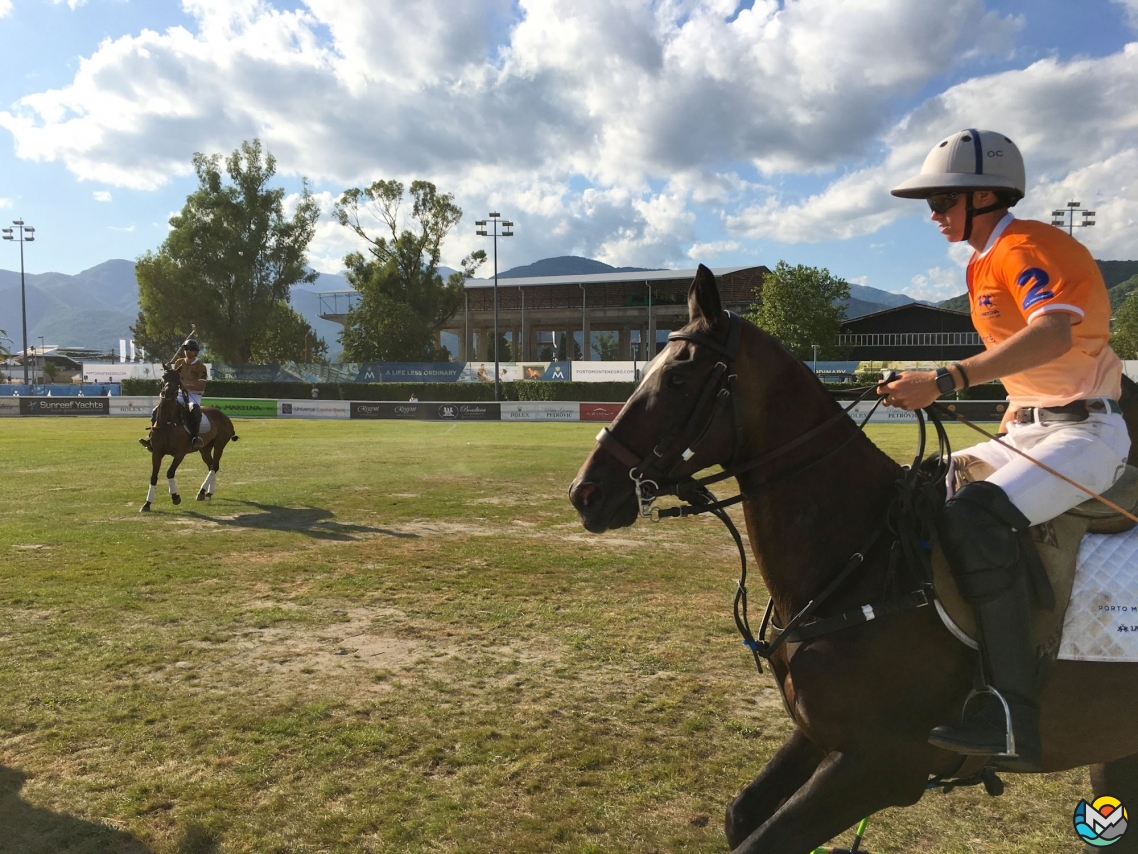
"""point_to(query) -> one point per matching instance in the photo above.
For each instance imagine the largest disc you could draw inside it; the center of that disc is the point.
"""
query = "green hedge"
(526, 390)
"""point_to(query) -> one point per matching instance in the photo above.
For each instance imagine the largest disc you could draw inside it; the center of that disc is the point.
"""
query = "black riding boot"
(978, 533)
(195, 423)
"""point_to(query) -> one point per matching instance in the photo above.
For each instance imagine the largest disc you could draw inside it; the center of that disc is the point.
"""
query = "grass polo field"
(392, 637)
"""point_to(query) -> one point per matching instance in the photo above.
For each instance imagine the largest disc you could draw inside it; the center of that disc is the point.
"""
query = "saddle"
(1056, 541)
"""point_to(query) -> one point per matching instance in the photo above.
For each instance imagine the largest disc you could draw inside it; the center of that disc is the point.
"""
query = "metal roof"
(604, 278)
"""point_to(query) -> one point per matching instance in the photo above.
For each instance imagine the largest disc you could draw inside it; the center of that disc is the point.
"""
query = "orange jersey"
(1029, 269)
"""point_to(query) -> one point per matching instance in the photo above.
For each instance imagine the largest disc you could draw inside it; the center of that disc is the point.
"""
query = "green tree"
(50, 371)
(228, 262)
(403, 298)
(802, 306)
(288, 338)
(1124, 330)
(607, 346)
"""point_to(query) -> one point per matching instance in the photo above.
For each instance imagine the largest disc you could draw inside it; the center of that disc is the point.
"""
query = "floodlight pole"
(27, 235)
(1065, 218)
(496, 218)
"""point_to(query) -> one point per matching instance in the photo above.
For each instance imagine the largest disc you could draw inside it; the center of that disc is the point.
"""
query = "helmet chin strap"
(970, 212)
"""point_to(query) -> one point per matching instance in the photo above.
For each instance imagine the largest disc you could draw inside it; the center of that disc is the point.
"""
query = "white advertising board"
(541, 411)
(116, 372)
(133, 405)
(1130, 368)
(603, 372)
(883, 415)
(9, 406)
(314, 408)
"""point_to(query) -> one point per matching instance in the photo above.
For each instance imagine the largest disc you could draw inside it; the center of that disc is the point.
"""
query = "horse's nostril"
(586, 494)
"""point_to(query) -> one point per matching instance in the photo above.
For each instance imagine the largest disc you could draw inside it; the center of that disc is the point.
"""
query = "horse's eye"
(676, 379)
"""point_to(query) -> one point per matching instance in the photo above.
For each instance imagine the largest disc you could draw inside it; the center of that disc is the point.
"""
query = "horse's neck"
(804, 528)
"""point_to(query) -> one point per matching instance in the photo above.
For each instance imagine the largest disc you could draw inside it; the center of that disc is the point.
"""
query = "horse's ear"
(703, 298)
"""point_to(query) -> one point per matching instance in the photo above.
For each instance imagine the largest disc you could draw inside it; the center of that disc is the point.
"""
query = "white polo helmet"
(969, 160)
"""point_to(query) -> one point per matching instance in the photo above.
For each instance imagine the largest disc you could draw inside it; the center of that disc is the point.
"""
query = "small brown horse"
(169, 437)
(863, 699)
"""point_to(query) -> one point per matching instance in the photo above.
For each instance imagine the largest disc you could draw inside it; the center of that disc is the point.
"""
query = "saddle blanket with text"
(1101, 623)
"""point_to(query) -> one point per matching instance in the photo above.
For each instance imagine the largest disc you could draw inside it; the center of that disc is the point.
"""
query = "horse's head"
(680, 419)
(171, 383)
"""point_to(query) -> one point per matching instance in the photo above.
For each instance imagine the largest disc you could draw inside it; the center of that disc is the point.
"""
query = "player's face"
(948, 212)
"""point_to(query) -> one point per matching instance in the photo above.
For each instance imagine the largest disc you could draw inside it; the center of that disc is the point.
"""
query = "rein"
(647, 473)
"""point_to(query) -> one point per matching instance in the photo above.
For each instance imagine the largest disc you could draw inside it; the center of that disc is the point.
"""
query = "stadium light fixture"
(1065, 217)
(26, 235)
(494, 220)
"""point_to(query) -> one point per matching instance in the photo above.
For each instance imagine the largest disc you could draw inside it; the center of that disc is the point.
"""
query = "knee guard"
(979, 533)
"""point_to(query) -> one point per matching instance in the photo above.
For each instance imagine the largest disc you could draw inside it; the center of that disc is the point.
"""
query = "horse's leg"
(206, 490)
(156, 463)
(174, 496)
(1119, 779)
(785, 773)
(844, 789)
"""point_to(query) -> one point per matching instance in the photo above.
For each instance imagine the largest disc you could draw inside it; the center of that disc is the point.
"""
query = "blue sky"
(659, 134)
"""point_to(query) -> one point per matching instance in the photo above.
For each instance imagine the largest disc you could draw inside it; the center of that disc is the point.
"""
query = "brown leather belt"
(1076, 410)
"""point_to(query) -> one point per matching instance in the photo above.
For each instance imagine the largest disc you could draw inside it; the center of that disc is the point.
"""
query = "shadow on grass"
(24, 827)
(312, 521)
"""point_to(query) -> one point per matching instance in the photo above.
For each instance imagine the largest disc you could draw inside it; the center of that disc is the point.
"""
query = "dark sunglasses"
(942, 203)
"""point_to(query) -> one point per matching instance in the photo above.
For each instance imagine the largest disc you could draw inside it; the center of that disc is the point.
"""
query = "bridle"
(651, 476)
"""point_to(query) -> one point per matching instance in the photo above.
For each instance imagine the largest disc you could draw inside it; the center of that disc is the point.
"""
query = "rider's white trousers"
(1091, 453)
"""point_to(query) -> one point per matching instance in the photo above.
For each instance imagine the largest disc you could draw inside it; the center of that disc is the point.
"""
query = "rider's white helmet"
(969, 160)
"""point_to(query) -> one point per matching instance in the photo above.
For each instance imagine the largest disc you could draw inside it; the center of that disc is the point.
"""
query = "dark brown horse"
(170, 438)
(863, 699)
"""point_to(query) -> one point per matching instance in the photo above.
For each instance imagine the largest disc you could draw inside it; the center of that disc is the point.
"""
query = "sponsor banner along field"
(235, 406)
(541, 411)
(64, 406)
(133, 405)
(314, 409)
(9, 406)
(599, 372)
(386, 637)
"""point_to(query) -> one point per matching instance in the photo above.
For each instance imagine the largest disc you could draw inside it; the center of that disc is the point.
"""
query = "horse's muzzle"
(599, 508)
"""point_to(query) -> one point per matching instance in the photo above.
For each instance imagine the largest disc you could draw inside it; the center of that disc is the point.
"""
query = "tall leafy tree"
(228, 263)
(403, 297)
(1124, 330)
(802, 306)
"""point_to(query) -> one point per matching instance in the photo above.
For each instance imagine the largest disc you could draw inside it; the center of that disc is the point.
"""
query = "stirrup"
(1010, 751)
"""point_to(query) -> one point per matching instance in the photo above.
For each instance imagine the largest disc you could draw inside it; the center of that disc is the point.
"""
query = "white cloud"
(5, 7)
(73, 4)
(658, 108)
(5, 203)
(101, 196)
(1073, 121)
(703, 251)
(937, 284)
(1131, 7)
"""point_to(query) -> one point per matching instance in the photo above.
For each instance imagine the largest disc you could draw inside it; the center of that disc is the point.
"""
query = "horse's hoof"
(201, 496)
(145, 508)
(176, 498)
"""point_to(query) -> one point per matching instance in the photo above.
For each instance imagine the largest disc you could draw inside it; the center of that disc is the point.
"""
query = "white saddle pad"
(1101, 623)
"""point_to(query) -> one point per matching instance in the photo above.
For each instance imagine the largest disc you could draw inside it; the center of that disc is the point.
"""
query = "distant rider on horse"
(193, 376)
(1041, 308)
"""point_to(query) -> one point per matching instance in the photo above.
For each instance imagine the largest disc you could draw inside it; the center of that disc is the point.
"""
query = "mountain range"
(95, 308)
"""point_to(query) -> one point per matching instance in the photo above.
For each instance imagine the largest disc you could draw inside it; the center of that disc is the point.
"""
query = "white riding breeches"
(194, 398)
(1092, 453)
